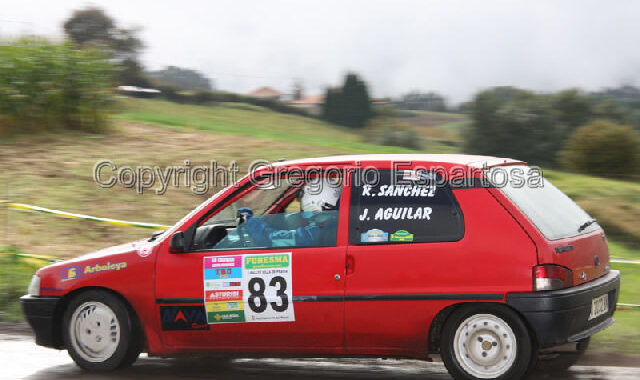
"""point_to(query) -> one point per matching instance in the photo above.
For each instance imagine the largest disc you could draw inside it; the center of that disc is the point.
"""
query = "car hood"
(140, 248)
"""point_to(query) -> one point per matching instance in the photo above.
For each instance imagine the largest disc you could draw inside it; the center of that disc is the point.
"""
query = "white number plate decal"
(248, 288)
(599, 306)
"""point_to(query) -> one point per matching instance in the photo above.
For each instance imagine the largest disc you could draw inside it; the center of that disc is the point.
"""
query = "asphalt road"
(20, 358)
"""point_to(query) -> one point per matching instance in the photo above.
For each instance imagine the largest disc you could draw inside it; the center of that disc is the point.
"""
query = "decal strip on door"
(248, 288)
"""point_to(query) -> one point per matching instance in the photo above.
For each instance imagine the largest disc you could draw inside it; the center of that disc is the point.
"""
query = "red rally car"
(477, 259)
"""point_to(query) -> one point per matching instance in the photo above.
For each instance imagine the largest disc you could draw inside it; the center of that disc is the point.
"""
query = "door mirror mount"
(176, 245)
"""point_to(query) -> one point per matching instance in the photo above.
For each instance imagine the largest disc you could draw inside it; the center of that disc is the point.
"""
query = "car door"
(286, 298)
(398, 226)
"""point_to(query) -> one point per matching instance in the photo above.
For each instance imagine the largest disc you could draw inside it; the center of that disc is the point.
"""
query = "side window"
(280, 212)
(404, 207)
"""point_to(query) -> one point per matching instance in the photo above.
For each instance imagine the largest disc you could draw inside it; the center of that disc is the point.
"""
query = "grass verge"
(15, 275)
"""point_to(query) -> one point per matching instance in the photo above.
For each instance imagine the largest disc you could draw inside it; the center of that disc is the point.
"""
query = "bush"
(46, 85)
(603, 148)
(387, 131)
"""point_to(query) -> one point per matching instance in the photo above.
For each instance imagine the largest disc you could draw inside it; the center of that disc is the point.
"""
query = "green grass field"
(55, 171)
(15, 275)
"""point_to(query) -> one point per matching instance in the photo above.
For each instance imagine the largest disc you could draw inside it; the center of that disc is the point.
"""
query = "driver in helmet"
(318, 218)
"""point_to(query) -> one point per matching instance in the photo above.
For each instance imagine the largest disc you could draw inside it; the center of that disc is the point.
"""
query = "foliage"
(388, 131)
(93, 28)
(507, 121)
(625, 97)
(430, 101)
(15, 274)
(181, 78)
(571, 107)
(348, 105)
(521, 127)
(603, 148)
(129, 72)
(46, 85)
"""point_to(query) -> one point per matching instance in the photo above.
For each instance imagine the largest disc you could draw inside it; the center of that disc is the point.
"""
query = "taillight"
(551, 277)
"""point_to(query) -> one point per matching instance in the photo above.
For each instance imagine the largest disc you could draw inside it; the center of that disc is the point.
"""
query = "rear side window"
(403, 207)
(552, 212)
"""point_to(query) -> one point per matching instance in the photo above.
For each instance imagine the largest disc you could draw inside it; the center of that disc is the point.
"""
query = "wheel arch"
(435, 330)
(62, 305)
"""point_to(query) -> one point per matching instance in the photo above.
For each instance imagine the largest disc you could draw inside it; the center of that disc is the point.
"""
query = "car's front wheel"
(486, 341)
(100, 333)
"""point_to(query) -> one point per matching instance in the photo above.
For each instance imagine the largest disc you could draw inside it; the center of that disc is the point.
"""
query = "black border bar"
(363, 297)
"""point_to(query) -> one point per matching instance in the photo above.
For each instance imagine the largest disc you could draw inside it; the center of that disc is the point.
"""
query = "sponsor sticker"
(411, 175)
(401, 235)
(248, 288)
(373, 236)
(183, 318)
(104, 267)
(75, 272)
(71, 273)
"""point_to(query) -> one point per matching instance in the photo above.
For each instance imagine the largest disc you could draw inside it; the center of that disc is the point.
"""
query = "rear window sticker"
(373, 236)
(401, 235)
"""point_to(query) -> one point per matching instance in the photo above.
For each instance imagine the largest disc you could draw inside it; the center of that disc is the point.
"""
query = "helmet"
(320, 194)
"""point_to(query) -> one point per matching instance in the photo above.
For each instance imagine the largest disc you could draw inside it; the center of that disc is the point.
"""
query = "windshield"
(258, 201)
(554, 214)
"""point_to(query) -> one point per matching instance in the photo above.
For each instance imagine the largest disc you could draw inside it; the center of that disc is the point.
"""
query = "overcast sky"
(453, 47)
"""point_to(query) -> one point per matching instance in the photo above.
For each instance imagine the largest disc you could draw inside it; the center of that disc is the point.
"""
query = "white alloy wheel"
(485, 346)
(94, 331)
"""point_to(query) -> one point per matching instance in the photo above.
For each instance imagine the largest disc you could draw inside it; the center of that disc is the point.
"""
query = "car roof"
(456, 159)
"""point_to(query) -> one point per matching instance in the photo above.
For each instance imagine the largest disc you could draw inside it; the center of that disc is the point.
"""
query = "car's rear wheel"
(486, 341)
(100, 333)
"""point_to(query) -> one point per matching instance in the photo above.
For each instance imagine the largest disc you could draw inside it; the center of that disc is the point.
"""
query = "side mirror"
(176, 245)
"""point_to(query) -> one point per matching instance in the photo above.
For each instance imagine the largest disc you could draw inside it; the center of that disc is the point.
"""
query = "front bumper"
(40, 313)
(562, 316)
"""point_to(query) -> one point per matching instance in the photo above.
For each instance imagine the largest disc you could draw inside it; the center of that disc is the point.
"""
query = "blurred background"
(556, 84)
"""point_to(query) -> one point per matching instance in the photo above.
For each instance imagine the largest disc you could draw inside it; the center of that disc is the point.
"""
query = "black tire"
(520, 359)
(559, 362)
(128, 346)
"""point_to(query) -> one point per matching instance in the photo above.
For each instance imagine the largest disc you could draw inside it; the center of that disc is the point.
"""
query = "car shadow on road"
(268, 368)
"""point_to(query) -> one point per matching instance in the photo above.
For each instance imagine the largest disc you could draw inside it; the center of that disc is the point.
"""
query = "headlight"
(34, 286)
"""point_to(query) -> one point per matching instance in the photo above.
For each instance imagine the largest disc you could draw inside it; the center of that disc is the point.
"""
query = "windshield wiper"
(586, 224)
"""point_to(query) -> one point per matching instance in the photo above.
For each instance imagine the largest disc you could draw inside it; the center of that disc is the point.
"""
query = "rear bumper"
(40, 313)
(562, 316)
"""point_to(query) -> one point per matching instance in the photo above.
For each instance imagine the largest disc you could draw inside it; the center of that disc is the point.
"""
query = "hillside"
(55, 171)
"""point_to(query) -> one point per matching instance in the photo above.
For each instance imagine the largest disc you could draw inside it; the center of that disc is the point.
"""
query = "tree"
(349, 105)
(298, 90)
(521, 127)
(181, 78)
(429, 101)
(331, 107)
(129, 72)
(572, 108)
(92, 27)
(603, 148)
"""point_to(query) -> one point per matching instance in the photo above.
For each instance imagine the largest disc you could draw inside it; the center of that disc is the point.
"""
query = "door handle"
(336, 277)
(350, 265)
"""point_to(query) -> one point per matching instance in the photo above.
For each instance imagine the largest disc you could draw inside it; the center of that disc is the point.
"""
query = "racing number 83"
(257, 293)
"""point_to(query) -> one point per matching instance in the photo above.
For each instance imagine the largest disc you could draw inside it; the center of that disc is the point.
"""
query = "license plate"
(599, 306)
